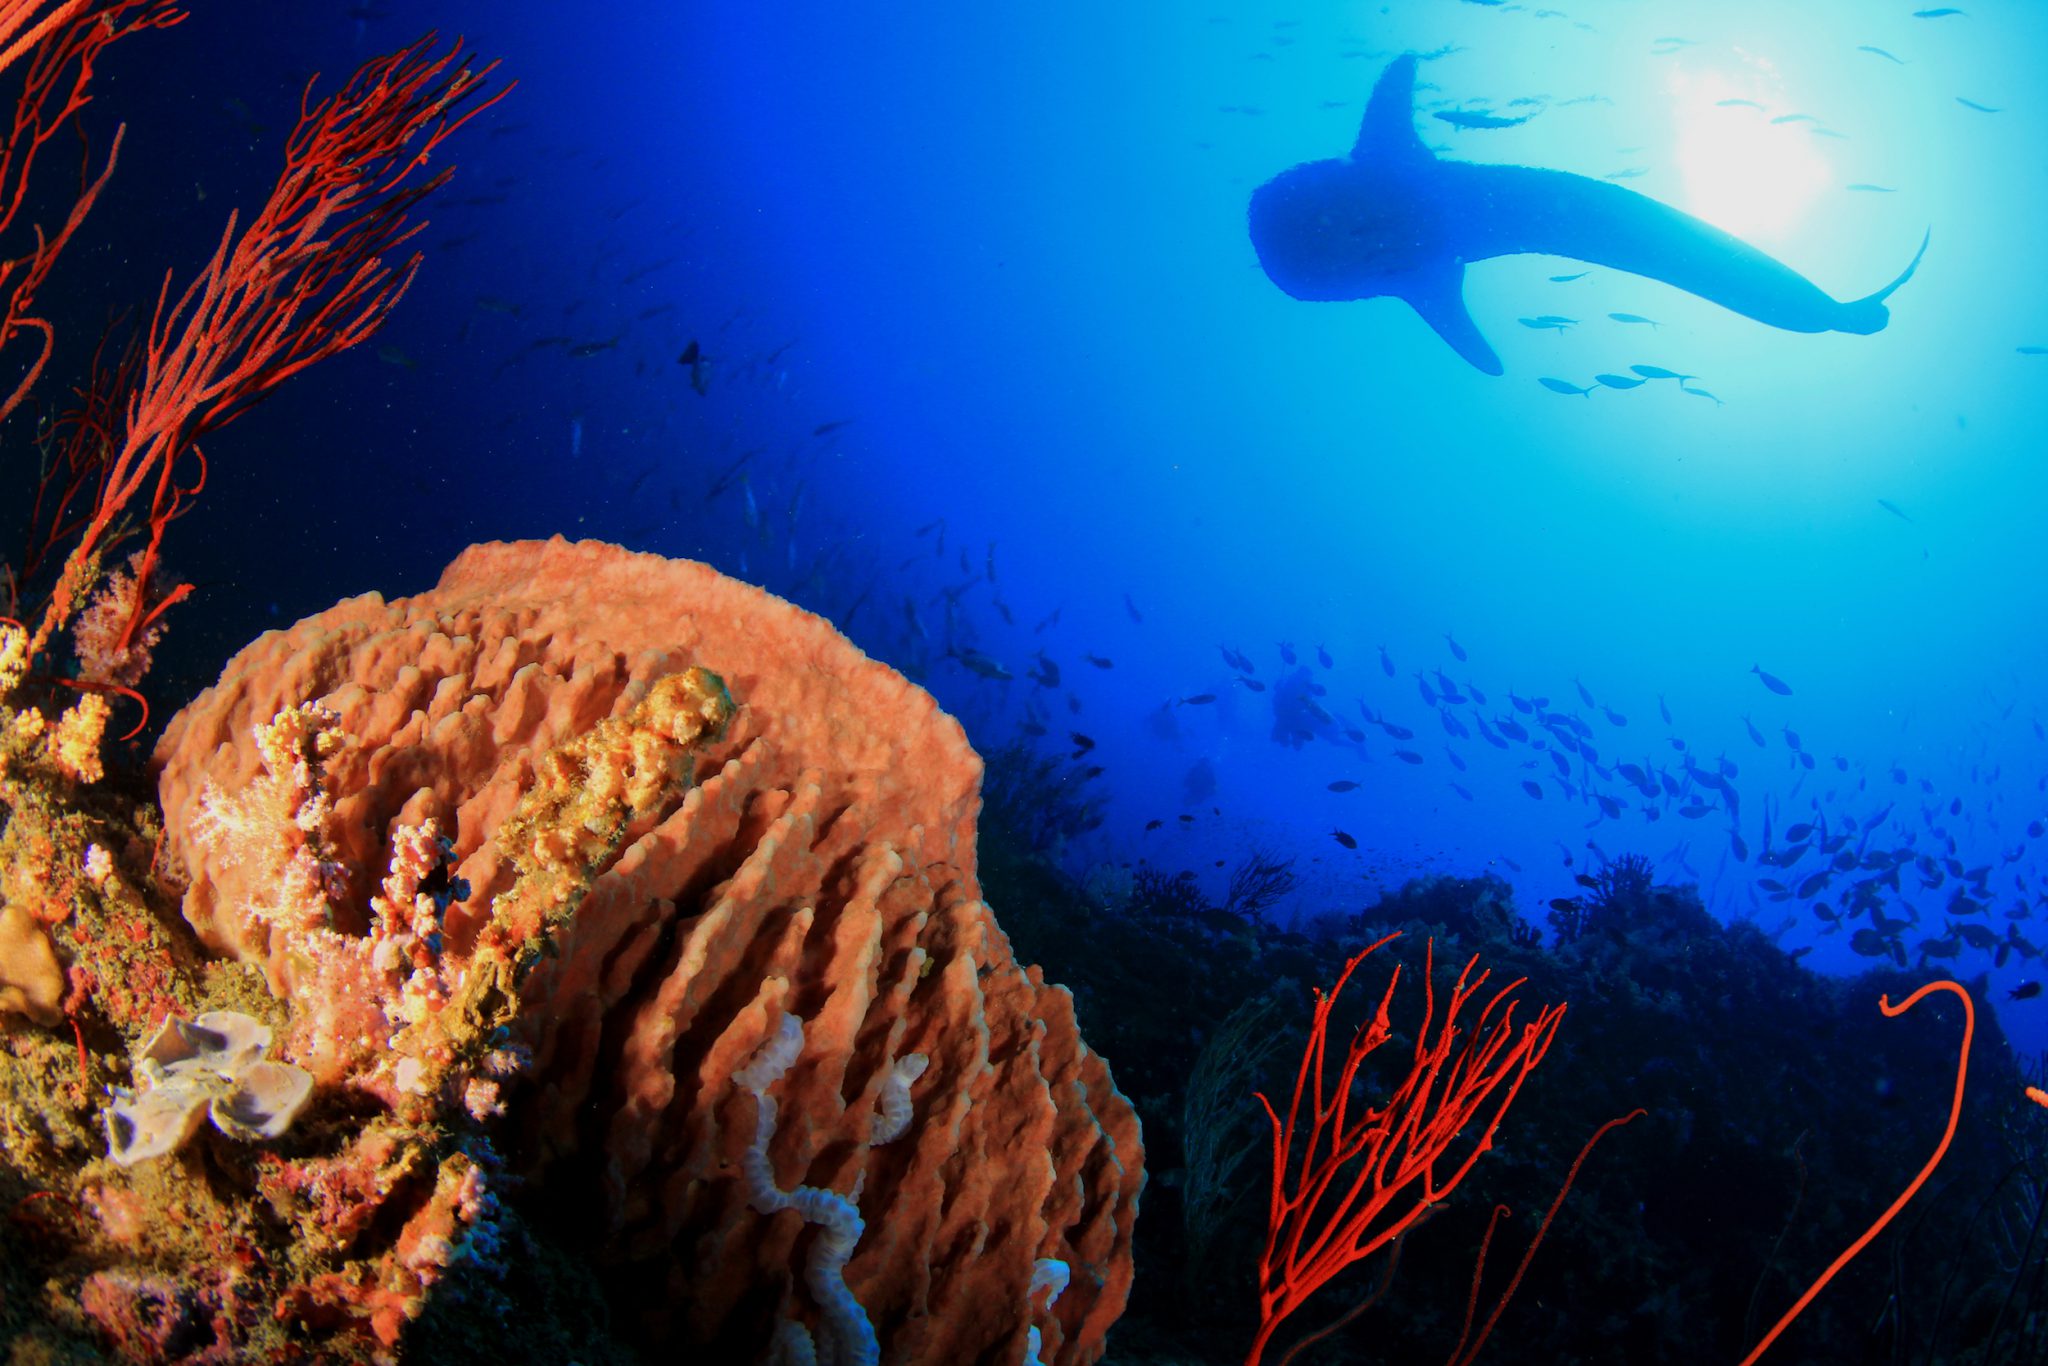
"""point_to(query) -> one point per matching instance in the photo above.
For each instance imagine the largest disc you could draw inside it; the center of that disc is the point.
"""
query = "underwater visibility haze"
(918, 683)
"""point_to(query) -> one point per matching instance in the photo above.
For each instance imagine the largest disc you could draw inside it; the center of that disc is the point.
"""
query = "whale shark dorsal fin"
(1387, 132)
(1438, 294)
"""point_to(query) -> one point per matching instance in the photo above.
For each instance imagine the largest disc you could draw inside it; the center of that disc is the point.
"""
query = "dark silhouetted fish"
(1775, 684)
(1343, 839)
(1457, 650)
(1473, 118)
(1343, 785)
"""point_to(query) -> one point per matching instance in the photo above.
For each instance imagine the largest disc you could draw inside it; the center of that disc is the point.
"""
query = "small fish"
(1343, 839)
(1386, 662)
(592, 348)
(1618, 381)
(1475, 118)
(1634, 318)
(1567, 279)
(1737, 104)
(1323, 658)
(1775, 684)
(1286, 652)
(699, 366)
(1343, 785)
(1663, 710)
(975, 662)
(1457, 650)
(1407, 756)
(1980, 108)
(1867, 188)
(2025, 991)
(1658, 372)
(1099, 662)
(1200, 699)
(1129, 606)
(1252, 683)
(1944, 12)
(1530, 786)
(1558, 386)
(1880, 52)
(1153, 825)
(1893, 508)
(1631, 173)
(835, 425)
(1795, 118)
(1697, 392)
(1549, 321)
(1082, 743)
(2032, 350)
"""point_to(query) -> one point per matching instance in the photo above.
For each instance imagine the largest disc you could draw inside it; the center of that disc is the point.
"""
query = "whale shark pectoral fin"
(1439, 296)
(1387, 133)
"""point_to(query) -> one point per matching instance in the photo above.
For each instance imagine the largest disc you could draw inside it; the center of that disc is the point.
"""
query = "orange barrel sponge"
(818, 863)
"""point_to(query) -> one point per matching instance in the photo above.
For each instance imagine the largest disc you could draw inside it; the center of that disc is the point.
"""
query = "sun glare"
(1749, 163)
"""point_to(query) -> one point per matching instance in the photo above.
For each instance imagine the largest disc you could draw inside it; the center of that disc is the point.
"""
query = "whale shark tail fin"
(1868, 314)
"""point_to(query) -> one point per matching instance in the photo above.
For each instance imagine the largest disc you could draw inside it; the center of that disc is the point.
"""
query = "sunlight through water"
(1749, 164)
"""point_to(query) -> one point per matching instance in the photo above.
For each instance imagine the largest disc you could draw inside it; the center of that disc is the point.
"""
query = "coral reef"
(1784, 1111)
(530, 1034)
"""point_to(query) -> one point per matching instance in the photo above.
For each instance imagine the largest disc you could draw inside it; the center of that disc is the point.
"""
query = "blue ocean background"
(992, 373)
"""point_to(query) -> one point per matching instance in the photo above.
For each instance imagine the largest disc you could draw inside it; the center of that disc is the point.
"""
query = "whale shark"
(1394, 220)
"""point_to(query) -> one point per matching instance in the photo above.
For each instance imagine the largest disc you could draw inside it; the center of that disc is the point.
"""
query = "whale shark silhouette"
(1394, 220)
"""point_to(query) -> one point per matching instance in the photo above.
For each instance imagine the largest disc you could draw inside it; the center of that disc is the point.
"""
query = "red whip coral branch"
(1360, 1181)
(65, 44)
(306, 279)
(1955, 1113)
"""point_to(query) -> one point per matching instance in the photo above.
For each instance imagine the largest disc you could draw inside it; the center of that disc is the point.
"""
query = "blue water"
(1006, 247)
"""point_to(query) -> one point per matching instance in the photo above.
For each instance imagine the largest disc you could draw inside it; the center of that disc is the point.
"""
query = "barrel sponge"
(818, 861)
